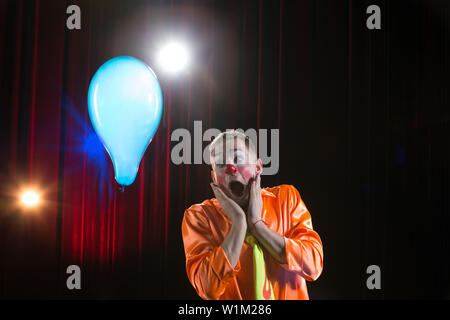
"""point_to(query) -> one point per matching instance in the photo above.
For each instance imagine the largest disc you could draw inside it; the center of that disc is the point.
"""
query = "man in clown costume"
(249, 243)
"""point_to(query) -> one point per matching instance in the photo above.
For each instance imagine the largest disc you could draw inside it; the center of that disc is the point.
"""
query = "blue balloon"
(125, 107)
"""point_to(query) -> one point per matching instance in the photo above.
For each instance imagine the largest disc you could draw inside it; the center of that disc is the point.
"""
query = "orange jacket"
(205, 226)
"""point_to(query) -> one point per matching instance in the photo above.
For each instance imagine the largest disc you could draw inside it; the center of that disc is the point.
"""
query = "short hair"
(232, 134)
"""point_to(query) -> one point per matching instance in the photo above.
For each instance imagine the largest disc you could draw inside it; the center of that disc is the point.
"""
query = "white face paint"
(240, 158)
(236, 184)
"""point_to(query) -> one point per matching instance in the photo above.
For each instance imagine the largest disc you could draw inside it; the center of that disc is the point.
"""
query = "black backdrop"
(364, 135)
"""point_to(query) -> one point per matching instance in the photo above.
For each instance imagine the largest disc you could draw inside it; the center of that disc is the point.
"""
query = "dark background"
(364, 136)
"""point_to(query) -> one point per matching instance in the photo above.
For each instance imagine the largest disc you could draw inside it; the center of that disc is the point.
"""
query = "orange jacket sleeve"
(207, 265)
(303, 246)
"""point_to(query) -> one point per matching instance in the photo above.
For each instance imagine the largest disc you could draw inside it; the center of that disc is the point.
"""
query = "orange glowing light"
(30, 198)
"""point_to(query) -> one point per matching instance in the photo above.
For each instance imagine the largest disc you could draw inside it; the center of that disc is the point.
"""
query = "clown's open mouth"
(237, 188)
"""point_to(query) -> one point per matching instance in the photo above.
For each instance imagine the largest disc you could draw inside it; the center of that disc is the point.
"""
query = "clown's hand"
(255, 203)
(233, 211)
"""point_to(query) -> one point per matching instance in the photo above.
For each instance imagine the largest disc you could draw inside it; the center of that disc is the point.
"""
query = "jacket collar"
(264, 192)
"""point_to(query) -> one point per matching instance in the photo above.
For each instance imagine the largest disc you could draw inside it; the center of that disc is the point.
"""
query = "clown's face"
(233, 167)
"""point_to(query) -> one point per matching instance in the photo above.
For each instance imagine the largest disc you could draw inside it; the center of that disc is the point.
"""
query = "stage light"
(30, 198)
(173, 57)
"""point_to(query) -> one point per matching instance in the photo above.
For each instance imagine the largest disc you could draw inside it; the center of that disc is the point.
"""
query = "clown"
(249, 242)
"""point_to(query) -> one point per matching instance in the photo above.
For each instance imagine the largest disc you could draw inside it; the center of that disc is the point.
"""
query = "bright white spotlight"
(30, 198)
(173, 57)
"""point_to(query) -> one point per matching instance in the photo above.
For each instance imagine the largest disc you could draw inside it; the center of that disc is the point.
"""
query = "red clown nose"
(230, 169)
